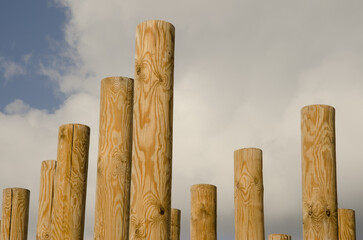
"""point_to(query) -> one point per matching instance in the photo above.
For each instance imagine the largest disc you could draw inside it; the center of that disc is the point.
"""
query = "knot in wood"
(327, 212)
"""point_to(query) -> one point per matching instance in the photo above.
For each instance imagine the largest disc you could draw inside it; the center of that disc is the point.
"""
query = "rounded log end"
(314, 107)
(156, 22)
(206, 187)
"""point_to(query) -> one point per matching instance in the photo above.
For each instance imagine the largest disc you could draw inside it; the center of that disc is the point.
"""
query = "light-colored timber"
(248, 194)
(15, 214)
(71, 182)
(152, 131)
(319, 188)
(114, 159)
(203, 216)
(346, 224)
(279, 237)
(46, 194)
(175, 224)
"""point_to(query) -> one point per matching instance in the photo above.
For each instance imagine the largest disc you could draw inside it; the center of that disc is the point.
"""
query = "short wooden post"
(175, 224)
(46, 194)
(114, 160)
(152, 131)
(203, 217)
(346, 223)
(15, 214)
(71, 182)
(248, 194)
(279, 237)
(320, 213)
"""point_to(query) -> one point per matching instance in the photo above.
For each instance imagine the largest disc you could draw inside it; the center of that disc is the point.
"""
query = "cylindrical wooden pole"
(15, 214)
(320, 213)
(71, 182)
(175, 224)
(114, 160)
(152, 131)
(46, 194)
(346, 222)
(248, 194)
(279, 237)
(203, 216)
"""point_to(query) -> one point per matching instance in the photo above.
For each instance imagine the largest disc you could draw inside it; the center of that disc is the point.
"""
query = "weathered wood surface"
(346, 224)
(279, 237)
(248, 194)
(152, 132)
(114, 159)
(46, 194)
(71, 182)
(319, 188)
(175, 224)
(15, 214)
(203, 216)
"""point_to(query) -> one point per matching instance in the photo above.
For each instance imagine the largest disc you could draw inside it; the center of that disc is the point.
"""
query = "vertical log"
(46, 194)
(320, 213)
(346, 223)
(152, 132)
(175, 224)
(15, 214)
(248, 194)
(279, 237)
(71, 182)
(203, 217)
(114, 159)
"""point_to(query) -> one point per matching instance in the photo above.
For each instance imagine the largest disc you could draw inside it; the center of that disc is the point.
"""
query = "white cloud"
(10, 69)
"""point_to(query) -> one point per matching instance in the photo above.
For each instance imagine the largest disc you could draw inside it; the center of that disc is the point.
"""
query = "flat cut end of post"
(248, 149)
(203, 186)
(67, 125)
(111, 79)
(315, 106)
(17, 189)
(156, 22)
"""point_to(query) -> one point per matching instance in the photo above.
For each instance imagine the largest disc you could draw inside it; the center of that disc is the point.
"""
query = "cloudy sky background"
(243, 71)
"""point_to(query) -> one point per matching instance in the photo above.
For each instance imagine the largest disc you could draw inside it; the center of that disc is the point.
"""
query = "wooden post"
(46, 194)
(114, 159)
(346, 222)
(320, 213)
(248, 194)
(203, 217)
(15, 214)
(152, 131)
(71, 182)
(175, 224)
(279, 237)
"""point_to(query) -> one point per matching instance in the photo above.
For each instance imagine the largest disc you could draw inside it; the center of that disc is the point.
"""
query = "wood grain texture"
(71, 182)
(279, 237)
(248, 194)
(175, 224)
(46, 195)
(15, 214)
(319, 188)
(152, 132)
(203, 216)
(346, 224)
(114, 159)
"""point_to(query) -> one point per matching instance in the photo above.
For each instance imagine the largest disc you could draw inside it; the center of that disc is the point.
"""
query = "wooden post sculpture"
(346, 223)
(248, 194)
(279, 237)
(46, 194)
(71, 182)
(152, 132)
(203, 217)
(320, 213)
(15, 214)
(114, 159)
(175, 224)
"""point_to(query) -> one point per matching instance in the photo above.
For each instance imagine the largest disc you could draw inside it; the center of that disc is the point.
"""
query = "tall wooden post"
(15, 214)
(152, 131)
(114, 159)
(279, 237)
(175, 224)
(320, 212)
(71, 182)
(248, 194)
(203, 216)
(46, 194)
(346, 222)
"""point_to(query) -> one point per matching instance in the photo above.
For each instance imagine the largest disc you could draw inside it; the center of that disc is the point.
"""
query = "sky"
(243, 71)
